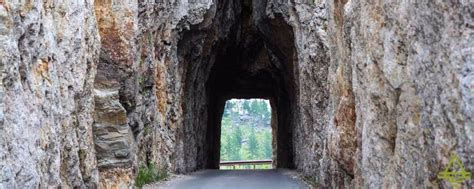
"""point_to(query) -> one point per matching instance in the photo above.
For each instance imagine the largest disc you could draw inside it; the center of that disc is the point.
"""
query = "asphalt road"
(234, 179)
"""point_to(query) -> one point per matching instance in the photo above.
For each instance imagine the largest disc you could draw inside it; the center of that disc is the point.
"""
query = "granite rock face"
(364, 94)
(48, 53)
(411, 66)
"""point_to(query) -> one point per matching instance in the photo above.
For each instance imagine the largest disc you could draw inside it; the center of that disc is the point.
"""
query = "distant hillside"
(246, 131)
(253, 112)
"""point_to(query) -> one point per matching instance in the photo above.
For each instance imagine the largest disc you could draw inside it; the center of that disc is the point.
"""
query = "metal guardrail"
(233, 164)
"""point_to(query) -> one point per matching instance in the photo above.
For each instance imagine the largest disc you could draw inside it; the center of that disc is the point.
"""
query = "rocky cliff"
(365, 94)
(48, 55)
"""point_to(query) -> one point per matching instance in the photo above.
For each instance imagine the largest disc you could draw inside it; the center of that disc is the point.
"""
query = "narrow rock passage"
(235, 179)
(364, 93)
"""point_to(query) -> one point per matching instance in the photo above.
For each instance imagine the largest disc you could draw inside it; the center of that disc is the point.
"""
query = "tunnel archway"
(243, 73)
(237, 52)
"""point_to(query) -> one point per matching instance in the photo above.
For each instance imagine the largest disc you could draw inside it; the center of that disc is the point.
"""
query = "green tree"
(255, 108)
(265, 111)
(242, 140)
(229, 110)
(226, 147)
(253, 144)
(246, 106)
(236, 144)
(266, 144)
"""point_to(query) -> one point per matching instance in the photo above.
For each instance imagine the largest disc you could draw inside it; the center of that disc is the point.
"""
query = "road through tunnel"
(238, 53)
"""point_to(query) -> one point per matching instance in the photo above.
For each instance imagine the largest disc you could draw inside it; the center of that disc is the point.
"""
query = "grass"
(311, 181)
(149, 174)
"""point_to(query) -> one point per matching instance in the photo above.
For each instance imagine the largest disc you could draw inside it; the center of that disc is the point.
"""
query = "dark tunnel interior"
(256, 62)
(239, 52)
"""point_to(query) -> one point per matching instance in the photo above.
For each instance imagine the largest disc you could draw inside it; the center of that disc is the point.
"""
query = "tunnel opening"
(246, 135)
(258, 66)
(237, 52)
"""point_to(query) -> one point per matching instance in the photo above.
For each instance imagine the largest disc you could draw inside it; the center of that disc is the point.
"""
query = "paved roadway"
(234, 179)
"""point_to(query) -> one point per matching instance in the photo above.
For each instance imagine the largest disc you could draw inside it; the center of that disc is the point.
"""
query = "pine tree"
(236, 144)
(246, 106)
(267, 145)
(253, 144)
(254, 108)
(242, 140)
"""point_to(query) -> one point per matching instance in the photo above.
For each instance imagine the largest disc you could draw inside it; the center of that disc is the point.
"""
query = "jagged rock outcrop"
(411, 64)
(365, 94)
(48, 55)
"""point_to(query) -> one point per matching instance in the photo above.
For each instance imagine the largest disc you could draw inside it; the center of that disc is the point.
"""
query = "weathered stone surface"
(112, 135)
(48, 52)
(409, 62)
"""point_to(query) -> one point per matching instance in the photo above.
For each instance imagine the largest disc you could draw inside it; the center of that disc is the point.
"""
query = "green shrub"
(313, 181)
(149, 174)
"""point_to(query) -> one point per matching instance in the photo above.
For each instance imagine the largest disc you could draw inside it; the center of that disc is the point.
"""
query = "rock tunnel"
(247, 55)
(364, 94)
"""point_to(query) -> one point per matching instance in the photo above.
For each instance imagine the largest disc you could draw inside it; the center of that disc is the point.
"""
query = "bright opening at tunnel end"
(246, 135)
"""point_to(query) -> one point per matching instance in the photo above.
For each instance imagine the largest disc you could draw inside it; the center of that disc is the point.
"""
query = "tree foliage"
(246, 131)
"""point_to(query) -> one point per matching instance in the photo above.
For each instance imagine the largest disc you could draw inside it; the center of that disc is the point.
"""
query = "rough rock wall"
(395, 98)
(161, 27)
(48, 52)
(140, 83)
(56, 111)
(115, 91)
(410, 67)
(309, 22)
(420, 59)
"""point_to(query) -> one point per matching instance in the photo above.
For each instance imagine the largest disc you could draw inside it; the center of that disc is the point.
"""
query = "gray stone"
(48, 52)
